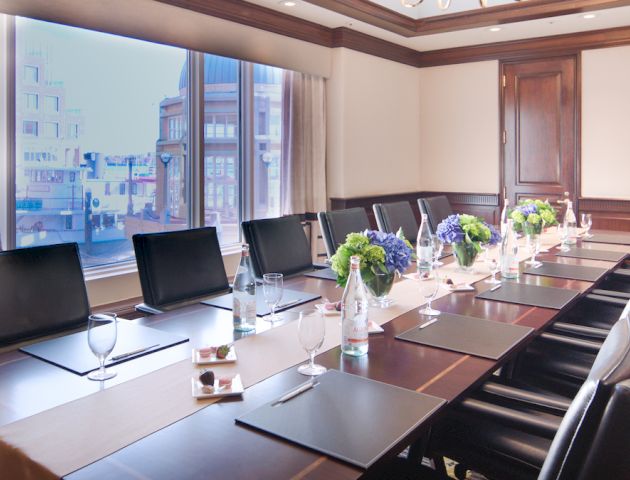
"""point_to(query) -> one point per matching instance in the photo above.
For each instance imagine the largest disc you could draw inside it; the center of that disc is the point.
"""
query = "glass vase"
(466, 254)
(379, 284)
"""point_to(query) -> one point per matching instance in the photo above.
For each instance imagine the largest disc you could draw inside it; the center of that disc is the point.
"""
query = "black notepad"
(592, 254)
(72, 352)
(348, 417)
(290, 299)
(616, 238)
(470, 335)
(572, 272)
(323, 273)
(534, 295)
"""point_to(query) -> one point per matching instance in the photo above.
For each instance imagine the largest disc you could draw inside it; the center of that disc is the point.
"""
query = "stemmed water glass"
(532, 241)
(563, 230)
(429, 289)
(272, 291)
(587, 223)
(102, 333)
(493, 264)
(438, 248)
(311, 332)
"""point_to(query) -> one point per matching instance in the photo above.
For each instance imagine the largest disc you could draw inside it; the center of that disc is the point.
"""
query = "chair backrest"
(179, 266)
(278, 245)
(337, 224)
(596, 414)
(392, 216)
(437, 209)
(42, 291)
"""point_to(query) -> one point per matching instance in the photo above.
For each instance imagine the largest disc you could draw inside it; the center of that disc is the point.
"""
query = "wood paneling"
(607, 214)
(480, 204)
(539, 114)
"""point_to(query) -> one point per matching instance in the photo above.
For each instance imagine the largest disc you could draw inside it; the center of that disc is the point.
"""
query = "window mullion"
(247, 140)
(196, 138)
(7, 164)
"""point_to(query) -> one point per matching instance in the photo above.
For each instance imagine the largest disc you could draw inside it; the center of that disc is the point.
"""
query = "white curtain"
(303, 173)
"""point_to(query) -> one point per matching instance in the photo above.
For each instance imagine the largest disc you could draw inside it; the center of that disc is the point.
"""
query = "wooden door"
(540, 129)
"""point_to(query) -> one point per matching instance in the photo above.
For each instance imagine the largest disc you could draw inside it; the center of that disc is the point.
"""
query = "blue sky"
(116, 82)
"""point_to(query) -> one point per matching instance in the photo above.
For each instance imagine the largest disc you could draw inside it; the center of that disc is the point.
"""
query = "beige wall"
(159, 22)
(373, 125)
(459, 127)
(606, 123)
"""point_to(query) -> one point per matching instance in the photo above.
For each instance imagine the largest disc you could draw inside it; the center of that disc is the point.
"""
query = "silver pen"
(430, 322)
(496, 288)
(294, 393)
(133, 352)
(288, 304)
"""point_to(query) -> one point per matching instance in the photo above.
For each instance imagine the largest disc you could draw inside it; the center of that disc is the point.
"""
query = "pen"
(133, 352)
(288, 304)
(495, 288)
(294, 393)
(430, 322)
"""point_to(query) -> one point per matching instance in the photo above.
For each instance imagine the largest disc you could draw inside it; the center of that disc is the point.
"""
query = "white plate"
(416, 276)
(212, 359)
(374, 327)
(321, 309)
(235, 389)
(459, 287)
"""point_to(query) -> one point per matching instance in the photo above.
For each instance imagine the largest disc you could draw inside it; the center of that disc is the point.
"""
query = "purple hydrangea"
(397, 252)
(495, 237)
(528, 209)
(450, 230)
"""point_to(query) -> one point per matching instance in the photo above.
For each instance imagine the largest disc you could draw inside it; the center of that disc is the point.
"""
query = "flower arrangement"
(534, 212)
(466, 233)
(380, 253)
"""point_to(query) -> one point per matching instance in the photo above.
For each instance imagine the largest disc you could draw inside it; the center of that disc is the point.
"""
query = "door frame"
(577, 139)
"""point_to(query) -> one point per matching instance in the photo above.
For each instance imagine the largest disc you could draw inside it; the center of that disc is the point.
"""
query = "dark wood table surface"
(208, 444)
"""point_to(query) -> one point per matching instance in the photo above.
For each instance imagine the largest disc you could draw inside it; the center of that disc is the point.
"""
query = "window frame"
(243, 130)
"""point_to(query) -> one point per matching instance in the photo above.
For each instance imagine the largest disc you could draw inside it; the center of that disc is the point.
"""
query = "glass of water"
(311, 333)
(429, 289)
(493, 264)
(586, 223)
(438, 248)
(102, 334)
(272, 291)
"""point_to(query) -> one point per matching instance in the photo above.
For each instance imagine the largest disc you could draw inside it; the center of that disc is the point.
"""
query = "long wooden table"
(208, 444)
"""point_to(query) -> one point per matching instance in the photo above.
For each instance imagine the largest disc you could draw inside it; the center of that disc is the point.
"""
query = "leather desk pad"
(572, 272)
(534, 295)
(592, 254)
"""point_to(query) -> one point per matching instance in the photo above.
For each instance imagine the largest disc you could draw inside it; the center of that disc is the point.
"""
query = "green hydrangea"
(534, 218)
(356, 244)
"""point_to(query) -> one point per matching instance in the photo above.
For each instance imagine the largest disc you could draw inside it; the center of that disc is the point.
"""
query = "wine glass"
(532, 242)
(311, 332)
(563, 230)
(438, 248)
(542, 248)
(587, 223)
(429, 289)
(102, 333)
(272, 291)
(493, 264)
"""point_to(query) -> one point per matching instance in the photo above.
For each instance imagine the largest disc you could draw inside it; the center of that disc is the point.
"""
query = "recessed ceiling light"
(495, 29)
(588, 16)
(288, 3)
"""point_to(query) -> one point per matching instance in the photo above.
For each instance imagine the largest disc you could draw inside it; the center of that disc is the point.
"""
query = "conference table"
(38, 400)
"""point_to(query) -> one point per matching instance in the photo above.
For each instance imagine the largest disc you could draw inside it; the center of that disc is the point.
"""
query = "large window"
(103, 133)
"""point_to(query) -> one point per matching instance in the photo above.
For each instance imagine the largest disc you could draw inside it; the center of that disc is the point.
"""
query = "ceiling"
(540, 27)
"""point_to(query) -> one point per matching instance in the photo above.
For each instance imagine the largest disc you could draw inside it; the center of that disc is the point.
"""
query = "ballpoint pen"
(294, 393)
(430, 322)
(133, 352)
(496, 288)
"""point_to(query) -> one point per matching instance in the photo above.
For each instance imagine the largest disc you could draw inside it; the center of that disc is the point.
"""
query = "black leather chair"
(337, 224)
(177, 268)
(437, 209)
(392, 216)
(42, 291)
(278, 245)
(589, 441)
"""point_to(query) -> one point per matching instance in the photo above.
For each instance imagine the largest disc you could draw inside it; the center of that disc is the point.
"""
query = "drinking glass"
(563, 230)
(587, 223)
(438, 248)
(311, 332)
(272, 291)
(493, 264)
(102, 333)
(532, 241)
(429, 289)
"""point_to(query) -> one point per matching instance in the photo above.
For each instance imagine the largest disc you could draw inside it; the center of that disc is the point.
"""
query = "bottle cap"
(355, 262)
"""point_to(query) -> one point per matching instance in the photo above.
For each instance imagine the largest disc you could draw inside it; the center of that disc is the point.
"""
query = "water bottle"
(509, 252)
(504, 217)
(571, 224)
(424, 246)
(244, 294)
(354, 313)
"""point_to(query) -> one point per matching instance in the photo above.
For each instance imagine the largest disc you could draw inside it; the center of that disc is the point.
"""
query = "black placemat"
(572, 272)
(323, 274)
(616, 238)
(534, 295)
(290, 299)
(72, 352)
(348, 417)
(592, 254)
(471, 335)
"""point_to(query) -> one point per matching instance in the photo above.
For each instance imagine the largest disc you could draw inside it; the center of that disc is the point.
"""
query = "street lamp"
(130, 160)
(165, 158)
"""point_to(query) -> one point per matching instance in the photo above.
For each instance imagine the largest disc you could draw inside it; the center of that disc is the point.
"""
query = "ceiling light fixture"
(288, 3)
(495, 29)
(442, 4)
(588, 16)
